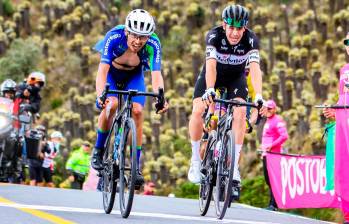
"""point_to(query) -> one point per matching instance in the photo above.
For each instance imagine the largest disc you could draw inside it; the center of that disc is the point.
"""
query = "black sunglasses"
(346, 42)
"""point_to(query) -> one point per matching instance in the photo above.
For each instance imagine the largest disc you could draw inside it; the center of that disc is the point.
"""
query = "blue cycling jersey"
(114, 44)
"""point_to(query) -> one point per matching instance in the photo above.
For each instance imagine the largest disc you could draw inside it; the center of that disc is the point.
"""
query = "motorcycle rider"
(8, 89)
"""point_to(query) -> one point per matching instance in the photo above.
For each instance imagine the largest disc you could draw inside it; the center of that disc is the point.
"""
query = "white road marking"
(142, 214)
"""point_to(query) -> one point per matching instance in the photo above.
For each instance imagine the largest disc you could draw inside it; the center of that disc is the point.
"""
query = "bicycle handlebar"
(332, 106)
(132, 93)
(258, 106)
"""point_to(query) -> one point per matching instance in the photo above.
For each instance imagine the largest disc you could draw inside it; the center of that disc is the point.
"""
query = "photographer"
(35, 163)
(30, 91)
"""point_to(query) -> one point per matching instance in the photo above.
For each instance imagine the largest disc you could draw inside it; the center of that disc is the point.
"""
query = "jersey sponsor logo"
(240, 51)
(224, 48)
(254, 56)
(210, 52)
(251, 42)
(224, 42)
(211, 36)
(157, 47)
(115, 36)
(231, 59)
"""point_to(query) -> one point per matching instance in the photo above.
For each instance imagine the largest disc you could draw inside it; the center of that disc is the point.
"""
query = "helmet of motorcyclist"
(8, 86)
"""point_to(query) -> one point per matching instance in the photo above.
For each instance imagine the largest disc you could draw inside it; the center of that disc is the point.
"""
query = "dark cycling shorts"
(235, 88)
(47, 173)
(35, 173)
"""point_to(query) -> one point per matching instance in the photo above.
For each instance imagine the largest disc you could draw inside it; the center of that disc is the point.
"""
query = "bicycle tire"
(206, 186)
(109, 173)
(127, 179)
(225, 171)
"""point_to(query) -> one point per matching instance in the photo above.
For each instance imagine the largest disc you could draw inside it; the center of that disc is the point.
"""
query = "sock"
(139, 152)
(101, 138)
(236, 175)
(195, 148)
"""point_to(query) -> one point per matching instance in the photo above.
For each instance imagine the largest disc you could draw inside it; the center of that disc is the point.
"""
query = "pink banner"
(299, 181)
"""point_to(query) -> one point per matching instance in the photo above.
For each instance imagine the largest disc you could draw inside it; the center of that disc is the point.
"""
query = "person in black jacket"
(30, 91)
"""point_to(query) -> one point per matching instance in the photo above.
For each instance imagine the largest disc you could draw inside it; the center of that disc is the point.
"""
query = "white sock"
(195, 148)
(236, 175)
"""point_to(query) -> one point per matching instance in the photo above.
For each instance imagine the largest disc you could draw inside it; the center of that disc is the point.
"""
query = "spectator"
(50, 152)
(274, 136)
(79, 164)
(149, 188)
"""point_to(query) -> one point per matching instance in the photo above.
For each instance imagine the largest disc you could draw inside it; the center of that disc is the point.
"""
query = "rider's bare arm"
(211, 72)
(157, 81)
(256, 77)
(101, 78)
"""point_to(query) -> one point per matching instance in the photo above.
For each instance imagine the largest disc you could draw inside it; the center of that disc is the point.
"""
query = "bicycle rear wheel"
(225, 171)
(128, 168)
(206, 185)
(109, 173)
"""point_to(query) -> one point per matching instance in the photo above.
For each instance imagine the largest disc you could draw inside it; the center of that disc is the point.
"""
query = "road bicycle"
(217, 166)
(120, 155)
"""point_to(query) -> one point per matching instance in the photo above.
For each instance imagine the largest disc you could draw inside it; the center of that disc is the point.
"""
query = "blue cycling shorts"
(126, 80)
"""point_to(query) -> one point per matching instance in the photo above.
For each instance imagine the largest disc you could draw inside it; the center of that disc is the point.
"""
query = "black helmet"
(235, 15)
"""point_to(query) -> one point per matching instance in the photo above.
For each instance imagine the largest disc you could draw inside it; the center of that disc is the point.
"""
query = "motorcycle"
(8, 141)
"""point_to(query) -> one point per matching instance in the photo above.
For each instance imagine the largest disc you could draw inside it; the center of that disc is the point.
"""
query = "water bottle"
(116, 144)
(216, 149)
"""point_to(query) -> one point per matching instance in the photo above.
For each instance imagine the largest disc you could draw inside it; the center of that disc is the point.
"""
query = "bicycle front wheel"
(206, 185)
(128, 168)
(109, 172)
(225, 171)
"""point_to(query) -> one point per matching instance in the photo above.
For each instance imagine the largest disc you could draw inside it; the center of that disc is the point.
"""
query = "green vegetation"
(301, 54)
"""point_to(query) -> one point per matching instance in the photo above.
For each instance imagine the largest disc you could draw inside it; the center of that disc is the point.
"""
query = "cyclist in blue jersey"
(126, 52)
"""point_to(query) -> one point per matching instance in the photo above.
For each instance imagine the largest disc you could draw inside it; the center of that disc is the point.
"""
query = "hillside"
(301, 51)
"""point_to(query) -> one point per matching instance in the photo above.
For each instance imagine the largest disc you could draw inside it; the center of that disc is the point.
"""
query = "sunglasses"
(346, 42)
(140, 37)
(270, 109)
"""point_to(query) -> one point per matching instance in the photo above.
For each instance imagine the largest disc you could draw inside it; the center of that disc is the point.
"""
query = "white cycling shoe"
(194, 174)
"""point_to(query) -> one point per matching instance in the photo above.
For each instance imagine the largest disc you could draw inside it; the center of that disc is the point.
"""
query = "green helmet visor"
(235, 23)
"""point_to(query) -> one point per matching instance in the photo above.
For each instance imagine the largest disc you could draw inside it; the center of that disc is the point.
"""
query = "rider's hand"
(164, 108)
(208, 96)
(99, 104)
(26, 93)
(71, 178)
(258, 98)
(329, 113)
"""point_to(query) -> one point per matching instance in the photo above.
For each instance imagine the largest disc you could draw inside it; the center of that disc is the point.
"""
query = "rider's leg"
(137, 83)
(239, 126)
(195, 132)
(104, 121)
(137, 113)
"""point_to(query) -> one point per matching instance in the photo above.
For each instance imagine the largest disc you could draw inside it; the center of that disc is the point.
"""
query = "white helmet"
(56, 134)
(8, 85)
(140, 22)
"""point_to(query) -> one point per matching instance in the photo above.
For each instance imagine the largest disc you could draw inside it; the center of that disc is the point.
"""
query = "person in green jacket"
(79, 165)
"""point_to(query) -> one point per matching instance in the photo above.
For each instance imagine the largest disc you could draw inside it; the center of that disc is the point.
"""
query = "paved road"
(36, 205)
